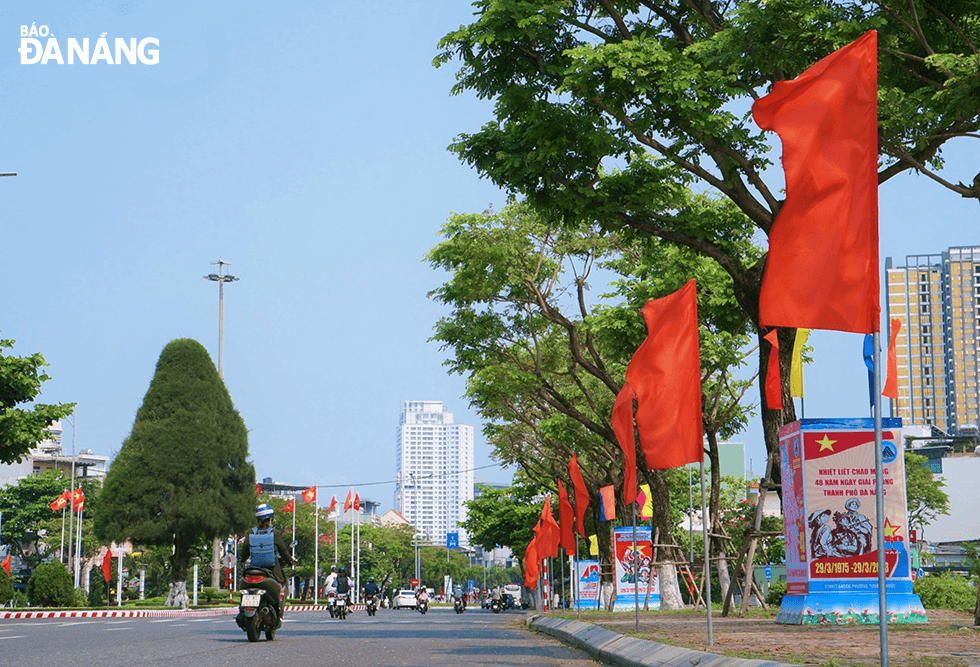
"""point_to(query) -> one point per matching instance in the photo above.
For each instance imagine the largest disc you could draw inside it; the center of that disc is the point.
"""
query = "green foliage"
(96, 595)
(946, 591)
(25, 508)
(20, 383)
(924, 492)
(777, 589)
(182, 476)
(503, 517)
(211, 594)
(6, 587)
(20, 599)
(51, 586)
(80, 600)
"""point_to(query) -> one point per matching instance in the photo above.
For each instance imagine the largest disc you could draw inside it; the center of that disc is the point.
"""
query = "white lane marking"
(65, 625)
(14, 637)
(114, 629)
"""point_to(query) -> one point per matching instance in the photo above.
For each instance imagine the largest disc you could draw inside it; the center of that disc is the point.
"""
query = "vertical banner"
(829, 524)
(587, 575)
(635, 568)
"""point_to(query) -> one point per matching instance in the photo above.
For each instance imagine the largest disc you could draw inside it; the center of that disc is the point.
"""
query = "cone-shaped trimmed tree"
(182, 474)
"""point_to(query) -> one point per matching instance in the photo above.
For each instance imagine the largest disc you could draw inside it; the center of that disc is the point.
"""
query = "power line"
(395, 481)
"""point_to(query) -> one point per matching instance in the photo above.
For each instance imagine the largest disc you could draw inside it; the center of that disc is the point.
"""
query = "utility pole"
(221, 278)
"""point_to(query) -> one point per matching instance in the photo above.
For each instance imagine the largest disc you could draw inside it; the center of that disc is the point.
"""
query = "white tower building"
(434, 470)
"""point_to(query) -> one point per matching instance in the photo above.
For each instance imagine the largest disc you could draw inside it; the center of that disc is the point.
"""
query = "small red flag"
(6, 565)
(327, 538)
(822, 267)
(348, 503)
(665, 374)
(60, 502)
(891, 382)
(581, 495)
(774, 385)
(566, 520)
(622, 423)
(531, 565)
(357, 502)
(333, 504)
(258, 488)
(78, 500)
(547, 532)
(290, 506)
(607, 503)
(107, 565)
(309, 495)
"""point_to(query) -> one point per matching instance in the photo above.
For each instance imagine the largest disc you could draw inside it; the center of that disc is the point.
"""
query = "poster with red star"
(830, 519)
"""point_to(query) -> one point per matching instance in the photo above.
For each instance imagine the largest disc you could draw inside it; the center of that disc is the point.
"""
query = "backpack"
(262, 548)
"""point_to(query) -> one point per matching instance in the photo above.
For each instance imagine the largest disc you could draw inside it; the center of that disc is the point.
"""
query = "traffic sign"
(452, 540)
(415, 582)
(768, 573)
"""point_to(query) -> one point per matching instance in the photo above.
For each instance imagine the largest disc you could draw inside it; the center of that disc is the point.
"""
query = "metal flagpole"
(636, 577)
(561, 596)
(578, 584)
(62, 552)
(357, 593)
(316, 551)
(880, 512)
(292, 580)
(78, 545)
(707, 557)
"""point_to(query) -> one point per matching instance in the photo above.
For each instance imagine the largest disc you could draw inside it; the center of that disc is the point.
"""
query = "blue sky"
(305, 143)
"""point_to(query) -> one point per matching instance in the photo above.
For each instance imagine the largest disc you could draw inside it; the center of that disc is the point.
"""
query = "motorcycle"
(342, 607)
(496, 606)
(371, 604)
(257, 611)
(332, 604)
(459, 606)
(422, 606)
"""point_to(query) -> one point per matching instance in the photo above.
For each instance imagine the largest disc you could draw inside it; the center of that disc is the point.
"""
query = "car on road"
(405, 598)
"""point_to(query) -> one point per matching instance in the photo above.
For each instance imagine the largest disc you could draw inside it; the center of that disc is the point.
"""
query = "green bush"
(80, 599)
(777, 589)
(211, 594)
(20, 600)
(6, 587)
(95, 599)
(945, 591)
(51, 586)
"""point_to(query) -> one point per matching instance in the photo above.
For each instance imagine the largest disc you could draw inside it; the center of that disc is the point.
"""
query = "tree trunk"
(718, 543)
(216, 563)
(178, 576)
(670, 590)
(177, 595)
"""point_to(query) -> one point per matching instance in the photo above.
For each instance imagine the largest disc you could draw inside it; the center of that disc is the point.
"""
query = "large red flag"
(6, 565)
(78, 500)
(774, 386)
(348, 503)
(357, 502)
(891, 382)
(622, 423)
(566, 521)
(290, 506)
(665, 375)
(607, 503)
(107, 565)
(309, 495)
(822, 268)
(547, 532)
(581, 495)
(60, 502)
(531, 565)
(333, 504)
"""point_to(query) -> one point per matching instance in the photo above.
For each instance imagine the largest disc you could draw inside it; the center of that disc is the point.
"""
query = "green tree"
(924, 492)
(51, 586)
(6, 587)
(20, 383)
(612, 113)
(503, 518)
(182, 475)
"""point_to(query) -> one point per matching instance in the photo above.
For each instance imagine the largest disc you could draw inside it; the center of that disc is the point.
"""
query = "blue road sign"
(768, 573)
(452, 540)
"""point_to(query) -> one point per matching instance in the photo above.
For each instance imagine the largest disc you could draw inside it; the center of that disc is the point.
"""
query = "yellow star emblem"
(826, 443)
(890, 530)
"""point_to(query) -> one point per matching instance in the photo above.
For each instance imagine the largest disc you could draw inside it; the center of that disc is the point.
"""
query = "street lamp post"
(72, 566)
(221, 278)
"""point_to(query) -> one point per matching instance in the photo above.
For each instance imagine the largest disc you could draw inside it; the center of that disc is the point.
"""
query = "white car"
(404, 598)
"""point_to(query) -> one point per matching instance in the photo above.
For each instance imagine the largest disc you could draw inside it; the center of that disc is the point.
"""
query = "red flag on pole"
(333, 504)
(348, 503)
(622, 423)
(60, 502)
(822, 267)
(357, 502)
(607, 503)
(309, 495)
(581, 494)
(566, 521)
(290, 506)
(891, 382)
(774, 385)
(107, 565)
(6, 565)
(547, 531)
(78, 500)
(665, 375)
(258, 488)
(532, 566)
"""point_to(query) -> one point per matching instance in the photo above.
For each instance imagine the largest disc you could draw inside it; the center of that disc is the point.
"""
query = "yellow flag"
(796, 367)
(593, 545)
(646, 502)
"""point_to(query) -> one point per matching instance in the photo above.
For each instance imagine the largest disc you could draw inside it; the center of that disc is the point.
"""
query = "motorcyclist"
(370, 588)
(422, 595)
(264, 548)
(342, 582)
(458, 595)
(495, 593)
(330, 587)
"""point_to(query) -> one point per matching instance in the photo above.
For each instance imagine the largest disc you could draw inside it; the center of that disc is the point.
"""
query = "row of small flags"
(76, 498)
(821, 272)
(309, 496)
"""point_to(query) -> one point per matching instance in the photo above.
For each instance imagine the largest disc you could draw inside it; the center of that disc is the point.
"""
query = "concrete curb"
(150, 613)
(612, 648)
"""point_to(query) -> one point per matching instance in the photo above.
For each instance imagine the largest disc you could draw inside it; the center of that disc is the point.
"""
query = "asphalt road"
(403, 638)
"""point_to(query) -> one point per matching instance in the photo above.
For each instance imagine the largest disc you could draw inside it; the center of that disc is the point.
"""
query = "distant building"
(937, 300)
(50, 455)
(433, 470)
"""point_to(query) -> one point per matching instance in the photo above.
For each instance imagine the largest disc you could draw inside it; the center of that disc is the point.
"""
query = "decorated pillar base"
(851, 609)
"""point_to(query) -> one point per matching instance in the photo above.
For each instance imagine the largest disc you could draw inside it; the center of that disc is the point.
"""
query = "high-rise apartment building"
(937, 299)
(434, 470)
